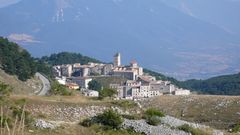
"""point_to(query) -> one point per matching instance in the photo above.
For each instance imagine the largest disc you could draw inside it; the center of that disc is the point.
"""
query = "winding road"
(46, 84)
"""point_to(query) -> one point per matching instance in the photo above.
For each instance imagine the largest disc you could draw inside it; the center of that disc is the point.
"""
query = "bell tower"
(117, 60)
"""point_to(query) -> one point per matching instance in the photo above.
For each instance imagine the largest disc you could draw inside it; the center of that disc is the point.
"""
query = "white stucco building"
(91, 93)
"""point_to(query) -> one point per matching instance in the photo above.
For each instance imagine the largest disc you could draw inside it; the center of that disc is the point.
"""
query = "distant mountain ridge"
(158, 36)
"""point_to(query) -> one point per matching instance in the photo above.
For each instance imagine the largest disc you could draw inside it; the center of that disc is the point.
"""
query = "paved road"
(46, 84)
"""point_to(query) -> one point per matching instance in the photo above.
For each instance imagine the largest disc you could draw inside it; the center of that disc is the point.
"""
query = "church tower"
(117, 60)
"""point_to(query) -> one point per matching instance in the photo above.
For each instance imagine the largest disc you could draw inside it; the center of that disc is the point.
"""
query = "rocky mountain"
(160, 36)
(223, 13)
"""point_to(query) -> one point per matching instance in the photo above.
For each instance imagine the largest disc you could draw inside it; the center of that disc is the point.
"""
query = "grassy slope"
(68, 127)
(215, 111)
(19, 87)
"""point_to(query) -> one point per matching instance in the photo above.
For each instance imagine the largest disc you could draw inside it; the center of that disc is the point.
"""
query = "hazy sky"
(4, 3)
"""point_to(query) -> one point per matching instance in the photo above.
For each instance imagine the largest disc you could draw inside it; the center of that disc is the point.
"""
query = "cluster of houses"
(138, 84)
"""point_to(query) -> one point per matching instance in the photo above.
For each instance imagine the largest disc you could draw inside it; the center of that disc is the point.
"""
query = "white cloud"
(23, 38)
(4, 3)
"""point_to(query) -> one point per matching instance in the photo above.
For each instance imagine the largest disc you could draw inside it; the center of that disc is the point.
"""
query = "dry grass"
(19, 87)
(78, 99)
(66, 129)
(215, 111)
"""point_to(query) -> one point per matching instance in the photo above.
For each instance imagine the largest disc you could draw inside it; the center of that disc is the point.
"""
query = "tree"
(68, 58)
(107, 92)
(16, 61)
(58, 89)
(95, 85)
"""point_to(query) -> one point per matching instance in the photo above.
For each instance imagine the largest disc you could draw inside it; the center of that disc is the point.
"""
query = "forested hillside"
(222, 85)
(14, 60)
(68, 58)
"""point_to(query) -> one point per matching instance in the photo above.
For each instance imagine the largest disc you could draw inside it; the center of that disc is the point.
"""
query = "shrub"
(154, 112)
(152, 116)
(110, 118)
(5, 90)
(153, 120)
(87, 123)
(236, 128)
(192, 130)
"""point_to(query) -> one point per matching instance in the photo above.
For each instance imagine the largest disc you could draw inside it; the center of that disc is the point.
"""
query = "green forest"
(68, 58)
(221, 85)
(16, 61)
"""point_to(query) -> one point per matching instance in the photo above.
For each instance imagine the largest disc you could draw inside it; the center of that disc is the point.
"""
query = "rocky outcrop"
(44, 125)
(142, 127)
(168, 126)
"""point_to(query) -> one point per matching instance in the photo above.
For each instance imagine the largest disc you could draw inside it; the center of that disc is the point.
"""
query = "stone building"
(66, 70)
(131, 72)
(57, 71)
(81, 81)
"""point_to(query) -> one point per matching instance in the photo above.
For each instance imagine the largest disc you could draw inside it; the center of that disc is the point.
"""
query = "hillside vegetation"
(16, 61)
(222, 85)
(68, 58)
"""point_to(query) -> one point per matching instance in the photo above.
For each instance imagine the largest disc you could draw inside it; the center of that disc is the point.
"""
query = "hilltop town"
(137, 85)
